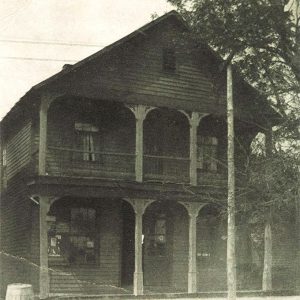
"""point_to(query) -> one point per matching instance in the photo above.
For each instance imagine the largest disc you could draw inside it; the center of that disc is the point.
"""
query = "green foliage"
(262, 36)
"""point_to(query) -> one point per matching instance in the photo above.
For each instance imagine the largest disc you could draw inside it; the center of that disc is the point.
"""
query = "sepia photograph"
(150, 149)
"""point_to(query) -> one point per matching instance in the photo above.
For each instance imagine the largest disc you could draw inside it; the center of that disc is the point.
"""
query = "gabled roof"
(172, 14)
(141, 31)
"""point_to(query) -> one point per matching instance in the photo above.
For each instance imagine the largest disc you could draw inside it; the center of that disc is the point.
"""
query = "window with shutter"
(207, 153)
(85, 138)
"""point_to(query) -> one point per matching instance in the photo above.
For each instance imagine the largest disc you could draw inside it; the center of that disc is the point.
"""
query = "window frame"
(207, 153)
(85, 134)
(169, 62)
(60, 247)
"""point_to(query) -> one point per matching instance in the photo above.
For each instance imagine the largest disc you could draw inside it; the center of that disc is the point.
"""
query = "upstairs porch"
(110, 140)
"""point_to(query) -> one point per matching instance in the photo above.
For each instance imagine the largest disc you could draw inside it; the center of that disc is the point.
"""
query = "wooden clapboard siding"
(284, 258)
(34, 253)
(135, 69)
(180, 251)
(15, 231)
(15, 205)
(18, 150)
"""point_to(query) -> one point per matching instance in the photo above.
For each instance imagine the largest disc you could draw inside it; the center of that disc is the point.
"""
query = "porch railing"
(73, 162)
(166, 168)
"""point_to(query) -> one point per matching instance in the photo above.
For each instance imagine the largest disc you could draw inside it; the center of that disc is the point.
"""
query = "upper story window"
(207, 153)
(169, 60)
(85, 135)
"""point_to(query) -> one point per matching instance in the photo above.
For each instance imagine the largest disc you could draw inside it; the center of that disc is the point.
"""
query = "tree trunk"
(231, 260)
(267, 272)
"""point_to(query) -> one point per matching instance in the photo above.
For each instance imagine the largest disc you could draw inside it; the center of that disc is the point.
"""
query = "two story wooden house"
(114, 170)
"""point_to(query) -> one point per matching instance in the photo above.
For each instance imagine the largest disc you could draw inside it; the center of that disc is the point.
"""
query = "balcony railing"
(67, 162)
(166, 168)
(73, 162)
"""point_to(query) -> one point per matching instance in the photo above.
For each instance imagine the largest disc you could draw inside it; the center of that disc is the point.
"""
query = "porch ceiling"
(106, 188)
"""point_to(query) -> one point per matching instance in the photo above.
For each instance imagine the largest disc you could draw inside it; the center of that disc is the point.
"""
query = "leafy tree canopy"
(262, 37)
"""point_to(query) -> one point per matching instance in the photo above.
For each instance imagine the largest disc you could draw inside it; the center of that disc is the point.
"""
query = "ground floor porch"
(136, 246)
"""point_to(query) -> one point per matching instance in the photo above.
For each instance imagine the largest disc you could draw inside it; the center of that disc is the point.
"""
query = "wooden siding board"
(137, 69)
(15, 230)
(18, 151)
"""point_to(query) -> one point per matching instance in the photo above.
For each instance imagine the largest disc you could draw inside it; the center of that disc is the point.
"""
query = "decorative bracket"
(193, 208)
(194, 117)
(47, 99)
(44, 200)
(140, 111)
(139, 205)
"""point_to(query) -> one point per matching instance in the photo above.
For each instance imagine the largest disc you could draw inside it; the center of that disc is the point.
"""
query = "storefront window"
(72, 236)
(82, 235)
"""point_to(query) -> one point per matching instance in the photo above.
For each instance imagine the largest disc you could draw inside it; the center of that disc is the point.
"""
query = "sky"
(37, 37)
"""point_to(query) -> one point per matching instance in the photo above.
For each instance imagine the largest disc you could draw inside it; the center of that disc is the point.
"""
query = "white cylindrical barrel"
(19, 291)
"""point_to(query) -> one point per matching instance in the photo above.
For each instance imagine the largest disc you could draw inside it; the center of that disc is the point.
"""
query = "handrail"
(167, 157)
(120, 153)
(94, 152)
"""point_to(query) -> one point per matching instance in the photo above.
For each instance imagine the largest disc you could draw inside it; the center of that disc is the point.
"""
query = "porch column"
(44, 204)
(44, 106)
(193, 209)
(139, 206)
(194, 120)
(140, 112)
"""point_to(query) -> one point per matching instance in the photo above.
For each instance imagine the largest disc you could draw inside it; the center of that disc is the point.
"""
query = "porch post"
(45, 103)
(139, 206)
(44, 274)
(193, 209)
(138, 284)
(140, 112)
(194, 120)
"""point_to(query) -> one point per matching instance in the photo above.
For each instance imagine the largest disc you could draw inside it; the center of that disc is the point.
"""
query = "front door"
(157, 247)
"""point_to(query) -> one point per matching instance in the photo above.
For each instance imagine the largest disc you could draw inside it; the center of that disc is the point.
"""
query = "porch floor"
(218, 295)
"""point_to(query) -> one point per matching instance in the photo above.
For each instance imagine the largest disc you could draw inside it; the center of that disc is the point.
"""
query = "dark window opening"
(169, 59)
(207, 153)
(72, 239)
(157, 236)
(85, 141)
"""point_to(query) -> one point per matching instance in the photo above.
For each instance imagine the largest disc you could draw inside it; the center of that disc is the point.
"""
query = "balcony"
(73, 162)
(64, 162)
(128, 142)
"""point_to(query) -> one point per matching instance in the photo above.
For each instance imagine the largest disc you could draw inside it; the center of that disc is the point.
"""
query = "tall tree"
(262, 38)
